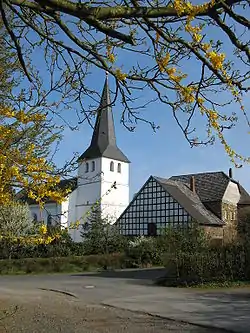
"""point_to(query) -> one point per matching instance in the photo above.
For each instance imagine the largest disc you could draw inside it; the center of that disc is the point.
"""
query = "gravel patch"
(44, 311)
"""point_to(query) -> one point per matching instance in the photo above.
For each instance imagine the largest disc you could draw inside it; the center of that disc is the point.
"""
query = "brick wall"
(229, 216)
(228, 213)
(215, 232)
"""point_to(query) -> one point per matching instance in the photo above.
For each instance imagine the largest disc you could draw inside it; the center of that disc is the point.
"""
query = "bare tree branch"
(147, 47)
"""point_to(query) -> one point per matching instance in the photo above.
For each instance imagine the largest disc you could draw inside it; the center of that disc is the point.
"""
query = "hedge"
(213, 265)
(15, 251)
(62, 264)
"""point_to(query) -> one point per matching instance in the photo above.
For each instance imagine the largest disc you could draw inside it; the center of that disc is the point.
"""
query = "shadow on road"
(150, 274)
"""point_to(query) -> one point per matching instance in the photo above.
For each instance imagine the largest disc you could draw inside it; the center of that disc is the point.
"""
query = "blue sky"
(165, 152)
(162, 153)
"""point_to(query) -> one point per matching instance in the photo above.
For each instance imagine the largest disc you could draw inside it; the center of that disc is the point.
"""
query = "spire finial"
(107, 74)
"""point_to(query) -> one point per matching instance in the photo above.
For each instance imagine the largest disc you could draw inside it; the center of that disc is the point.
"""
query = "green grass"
(214, 285)
(222, 285)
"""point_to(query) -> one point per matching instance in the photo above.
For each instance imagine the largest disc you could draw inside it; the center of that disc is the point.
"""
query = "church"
(103, 173)
(214, 199)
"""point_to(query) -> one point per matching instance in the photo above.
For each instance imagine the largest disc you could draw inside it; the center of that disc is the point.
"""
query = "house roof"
(190, 201)
(211, 186)
(70, 183)
(244, 196)
(103, 143)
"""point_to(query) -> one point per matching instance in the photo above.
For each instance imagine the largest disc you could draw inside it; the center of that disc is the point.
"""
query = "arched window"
(35, 218)
(49, 220)
(119, 168)
(93, 166)
(111, 166)
(87, 167)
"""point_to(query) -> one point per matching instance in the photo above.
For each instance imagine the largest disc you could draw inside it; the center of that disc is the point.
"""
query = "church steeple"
(103, 143)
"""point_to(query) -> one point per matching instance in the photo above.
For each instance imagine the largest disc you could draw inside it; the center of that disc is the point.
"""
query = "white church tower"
(102, 165)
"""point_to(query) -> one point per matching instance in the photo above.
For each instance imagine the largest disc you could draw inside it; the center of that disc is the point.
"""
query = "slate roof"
(65, 183)
(245, 197)
(103, 143)
(190, 201)
(211, 186)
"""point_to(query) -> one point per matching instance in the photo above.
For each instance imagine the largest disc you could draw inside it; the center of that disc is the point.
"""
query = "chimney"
(230, 173)
(192, 184)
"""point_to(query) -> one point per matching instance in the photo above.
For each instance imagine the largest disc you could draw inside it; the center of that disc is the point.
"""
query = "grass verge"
(222, 285)
(214, 285)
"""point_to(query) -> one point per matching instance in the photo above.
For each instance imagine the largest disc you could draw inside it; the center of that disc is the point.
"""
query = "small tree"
(15, 223)
(143, 251)
(244, 226)
(15, 220)
(184, 250)
(100, 236)
(192, 239)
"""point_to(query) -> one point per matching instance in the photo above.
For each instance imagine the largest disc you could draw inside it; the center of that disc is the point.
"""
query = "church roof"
(103, 143)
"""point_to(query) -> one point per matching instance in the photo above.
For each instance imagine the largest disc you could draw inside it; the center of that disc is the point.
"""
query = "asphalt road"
(131, 291)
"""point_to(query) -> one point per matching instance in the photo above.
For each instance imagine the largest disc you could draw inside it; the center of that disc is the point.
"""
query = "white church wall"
(72, 216)
(111, 176)
(88, 192)
(65, 212)
(53, 209)
(117, 200)
(89, 189)
(90, 176)
(87, 195)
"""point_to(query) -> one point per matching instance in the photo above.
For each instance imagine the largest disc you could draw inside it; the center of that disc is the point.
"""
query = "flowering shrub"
(15, 219)
(20, 237)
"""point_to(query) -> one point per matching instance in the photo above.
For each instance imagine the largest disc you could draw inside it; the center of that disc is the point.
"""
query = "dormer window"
(119, 168)
(93, 166)
(87, 167)
(112, 166)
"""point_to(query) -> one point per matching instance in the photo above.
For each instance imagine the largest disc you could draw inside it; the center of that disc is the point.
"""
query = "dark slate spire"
(103, 143)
